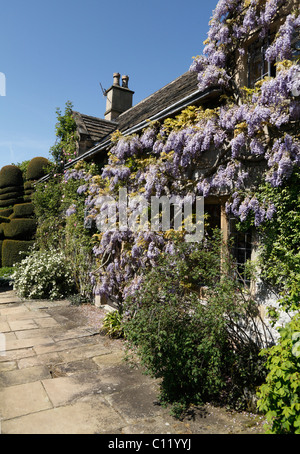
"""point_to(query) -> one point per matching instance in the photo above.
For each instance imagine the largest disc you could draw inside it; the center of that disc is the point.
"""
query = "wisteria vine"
(250, 138)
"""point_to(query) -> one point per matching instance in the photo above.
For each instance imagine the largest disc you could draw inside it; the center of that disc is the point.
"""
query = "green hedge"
(27, 198)
(11, 195)
(4, 219)
(10, 202)
(37, 168)
(6, 212)
(10, 189)
(11, 251)
(20, 229)
(28, 185)
(10, 176)
(22, 210)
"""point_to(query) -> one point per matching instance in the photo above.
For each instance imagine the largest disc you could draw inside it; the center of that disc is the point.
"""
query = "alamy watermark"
(161, 214)
(2, 84)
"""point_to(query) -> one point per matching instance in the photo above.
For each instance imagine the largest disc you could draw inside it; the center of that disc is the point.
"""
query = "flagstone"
(8, 365)
(20, 325)
(4, 327)
(90, 416)
(25, 343)
(47, 322)
(23, 399)
(13, 310)
(47, 359)
(13, 355)
(20, 376)
(57, 347)
(86, 351)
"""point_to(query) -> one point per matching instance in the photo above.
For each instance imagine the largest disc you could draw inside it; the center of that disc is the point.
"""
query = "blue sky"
(52, 52)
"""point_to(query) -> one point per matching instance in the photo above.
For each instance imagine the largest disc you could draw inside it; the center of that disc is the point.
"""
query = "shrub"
(13, 251)
(37, 168)
(6, 212)
(20, 229)
(10, 189)
(43, 274)
(22, 210)
(10, 176)
(28, 186)
(194, 345)
(5, 275)
(11, 195)
(10, 202)
(4, 219)
(279, 396)
(113, 325)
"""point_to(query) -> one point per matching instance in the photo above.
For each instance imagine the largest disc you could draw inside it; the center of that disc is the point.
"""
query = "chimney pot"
(116, 79)
(125, 80)
(118, 98)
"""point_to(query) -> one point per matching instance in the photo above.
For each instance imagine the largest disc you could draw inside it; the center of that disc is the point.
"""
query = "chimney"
(118, 98)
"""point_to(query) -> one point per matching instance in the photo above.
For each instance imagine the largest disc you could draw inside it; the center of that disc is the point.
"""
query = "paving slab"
(8, 365)
(37, 360)
(91, 416)
(60, 375)
(13, 355)
(20, 376)
(25, 343)
(22, 400)
(4, 327)
(18, 325)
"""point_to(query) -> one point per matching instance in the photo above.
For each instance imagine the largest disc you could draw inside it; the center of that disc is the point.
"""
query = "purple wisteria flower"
(71, 210)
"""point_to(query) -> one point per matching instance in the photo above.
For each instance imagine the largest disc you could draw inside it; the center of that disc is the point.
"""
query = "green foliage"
(113, 324)
(9, 189)
(279, 396)
(10, 202)
(23, 167)
(51, 200)
(5, 273)
(280, 253)
(65, 146)
(10, 195)
(193, 343)
(13, 251)
(4, 219)
(37, 168)
(6, 212)
(43, 274)
(22, 210)
(10, 175)
(20, 229)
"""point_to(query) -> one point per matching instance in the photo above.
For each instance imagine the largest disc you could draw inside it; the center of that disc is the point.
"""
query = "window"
(258, 67)
(213, 211)
(241, 248)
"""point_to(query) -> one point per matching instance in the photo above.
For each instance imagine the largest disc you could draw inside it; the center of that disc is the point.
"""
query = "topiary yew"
(37, 168)
(20, 228)
(12, 251)
(10, 176)
(22, 210)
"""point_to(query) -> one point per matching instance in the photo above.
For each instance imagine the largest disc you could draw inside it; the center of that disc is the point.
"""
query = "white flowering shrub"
(43, 274)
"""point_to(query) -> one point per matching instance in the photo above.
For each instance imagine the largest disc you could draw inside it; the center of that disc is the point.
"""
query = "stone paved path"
(58, 375)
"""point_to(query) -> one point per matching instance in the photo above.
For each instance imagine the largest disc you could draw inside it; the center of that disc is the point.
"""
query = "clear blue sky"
(55, 51)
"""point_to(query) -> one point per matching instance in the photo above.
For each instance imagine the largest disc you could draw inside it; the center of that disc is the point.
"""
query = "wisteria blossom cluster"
(217, 153)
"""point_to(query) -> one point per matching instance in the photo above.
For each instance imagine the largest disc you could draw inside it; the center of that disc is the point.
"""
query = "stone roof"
(97, 129)
(175, 91)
